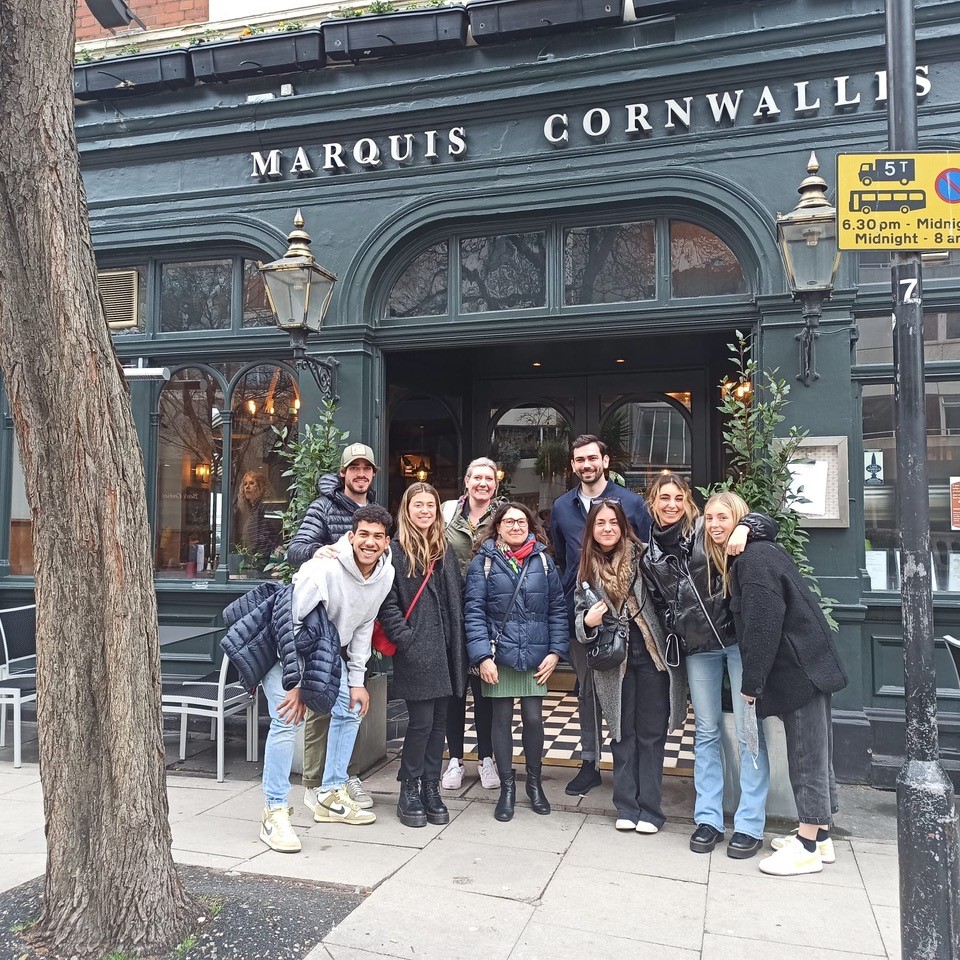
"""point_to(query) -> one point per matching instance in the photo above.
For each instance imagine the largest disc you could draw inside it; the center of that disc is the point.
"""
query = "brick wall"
(154, 13)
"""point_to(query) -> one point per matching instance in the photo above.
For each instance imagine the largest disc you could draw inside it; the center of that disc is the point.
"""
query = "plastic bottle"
(589, 594)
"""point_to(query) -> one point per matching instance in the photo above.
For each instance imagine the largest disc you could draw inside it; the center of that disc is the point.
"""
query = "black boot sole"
(576, 791)
(503, 817)
(438, 819)
(744, 853)
(411, 819)
(700, 847)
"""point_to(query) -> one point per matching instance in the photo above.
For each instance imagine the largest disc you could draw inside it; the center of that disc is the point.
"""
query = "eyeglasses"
(514, 521)
(606, 501)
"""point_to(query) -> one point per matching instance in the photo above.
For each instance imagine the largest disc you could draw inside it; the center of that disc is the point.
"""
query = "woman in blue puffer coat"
(517, 631)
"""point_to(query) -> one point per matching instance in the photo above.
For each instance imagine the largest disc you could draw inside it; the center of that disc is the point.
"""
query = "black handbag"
(609, 650)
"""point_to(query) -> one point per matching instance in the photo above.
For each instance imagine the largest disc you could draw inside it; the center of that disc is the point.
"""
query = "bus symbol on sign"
(874, 201)
(902, 169)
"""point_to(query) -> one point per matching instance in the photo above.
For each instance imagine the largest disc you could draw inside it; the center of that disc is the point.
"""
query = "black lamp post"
(807, 236)
(299, 292)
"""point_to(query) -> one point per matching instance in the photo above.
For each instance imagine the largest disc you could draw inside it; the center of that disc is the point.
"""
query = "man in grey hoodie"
(351, 586)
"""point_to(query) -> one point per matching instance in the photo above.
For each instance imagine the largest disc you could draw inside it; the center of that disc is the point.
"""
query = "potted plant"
(132, 75)
(255, 54)
(385, 31)
(494, 21)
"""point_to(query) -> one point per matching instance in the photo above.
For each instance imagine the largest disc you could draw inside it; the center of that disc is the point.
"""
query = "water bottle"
(589, 594)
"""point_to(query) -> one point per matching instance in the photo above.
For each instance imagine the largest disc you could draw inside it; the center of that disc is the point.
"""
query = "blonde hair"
(422, 547)
(690, 511)
(717, 553)
(263, 488)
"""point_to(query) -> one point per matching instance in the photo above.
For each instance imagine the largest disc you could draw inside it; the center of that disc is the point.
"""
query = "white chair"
(18, 672)
(214, 697)
(953, 646)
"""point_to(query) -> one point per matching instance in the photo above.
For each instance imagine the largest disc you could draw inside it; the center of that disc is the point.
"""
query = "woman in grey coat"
(645, 696)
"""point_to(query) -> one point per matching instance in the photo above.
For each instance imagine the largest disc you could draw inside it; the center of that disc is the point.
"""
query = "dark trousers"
(809, 735)
(457, 721)
(588, 708)
(531, 719)
(638, 754)
(422, 754)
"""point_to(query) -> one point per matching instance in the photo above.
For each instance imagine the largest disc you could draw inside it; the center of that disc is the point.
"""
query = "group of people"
(646, 599)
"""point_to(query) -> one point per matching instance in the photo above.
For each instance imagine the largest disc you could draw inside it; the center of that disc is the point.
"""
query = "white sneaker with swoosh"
(276, 831)
(335, 806)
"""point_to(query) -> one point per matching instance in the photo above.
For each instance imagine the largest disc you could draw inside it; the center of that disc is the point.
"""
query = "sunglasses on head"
(605, 501)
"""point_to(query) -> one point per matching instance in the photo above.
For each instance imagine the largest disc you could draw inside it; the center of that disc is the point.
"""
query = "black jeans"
(809, 734)
(587, 706)
(638, 754)
(457, 720)
(422, 754)
(531, 719)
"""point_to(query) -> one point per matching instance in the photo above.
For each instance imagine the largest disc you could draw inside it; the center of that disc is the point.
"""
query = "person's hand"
(748, 699)
(329, 551)
(489, 673)
(361, 696)
(291, 708)
(738, 540)
(595, 614)
(547, 666)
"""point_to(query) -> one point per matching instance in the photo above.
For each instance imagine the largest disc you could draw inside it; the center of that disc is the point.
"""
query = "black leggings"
(531, 719)
(457, 720)
(422, 754)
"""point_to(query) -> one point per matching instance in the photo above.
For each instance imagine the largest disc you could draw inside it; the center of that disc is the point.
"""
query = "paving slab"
(482, 868)
(17, 868)
(191, 858)
(774, 909)
(188, 803)
(18, 818)
(736, 948)
(843, 873)
(330, 951)
(888, 920)
(12, 779)
(207, 782)
(387, 830)
(881, 878)
(487, 927)
(238, 839)
(627, 905)
(29, 792)
(527, 830)
(542, 941)
(875, 847)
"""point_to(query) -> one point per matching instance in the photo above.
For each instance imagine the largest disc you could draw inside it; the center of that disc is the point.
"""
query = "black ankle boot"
(437, 811)
(538, 799)
(409, 807)
(586, 779)
(508, 797)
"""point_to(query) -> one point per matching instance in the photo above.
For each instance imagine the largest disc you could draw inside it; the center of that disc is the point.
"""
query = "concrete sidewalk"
(558, 887)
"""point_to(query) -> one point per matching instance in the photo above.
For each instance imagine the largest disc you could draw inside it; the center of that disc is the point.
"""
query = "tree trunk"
(111, 883)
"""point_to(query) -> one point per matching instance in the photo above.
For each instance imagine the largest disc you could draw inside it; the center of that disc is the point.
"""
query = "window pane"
(614, 264)
(195, 296)
(875, 267)
(266, 398)
(421, 290)
(21, 523)
(701, 264)
(880, 485)
(256, 309)
(941, 337)
(503, 273)
(189, 476)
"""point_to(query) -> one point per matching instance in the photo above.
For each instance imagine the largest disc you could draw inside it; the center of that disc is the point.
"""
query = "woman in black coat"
(423, 616)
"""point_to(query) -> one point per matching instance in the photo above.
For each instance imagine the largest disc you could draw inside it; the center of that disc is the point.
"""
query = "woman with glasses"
(644, 696)
(516, 625)
(693, 606)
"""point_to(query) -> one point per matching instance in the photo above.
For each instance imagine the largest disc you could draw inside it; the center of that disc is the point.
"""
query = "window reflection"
(613, 264)
(941, 337)
(701, 264)
(21, 522)
(421, 290)
(256, 309)
(195, 296)
(508, 272)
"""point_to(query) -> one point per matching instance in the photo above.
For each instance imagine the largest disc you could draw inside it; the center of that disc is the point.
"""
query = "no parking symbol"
(948, 185)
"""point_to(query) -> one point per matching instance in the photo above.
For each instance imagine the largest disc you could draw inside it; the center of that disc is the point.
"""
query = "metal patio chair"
(18, 672)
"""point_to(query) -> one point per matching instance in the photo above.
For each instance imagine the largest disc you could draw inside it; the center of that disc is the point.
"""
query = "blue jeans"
(278, 752)
(344, 727)
(705, 676)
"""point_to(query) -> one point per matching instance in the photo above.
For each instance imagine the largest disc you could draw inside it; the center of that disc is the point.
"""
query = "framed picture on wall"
(821, 482)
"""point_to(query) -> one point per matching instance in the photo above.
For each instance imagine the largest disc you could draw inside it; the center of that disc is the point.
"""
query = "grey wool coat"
(608, 682)
(431, 657)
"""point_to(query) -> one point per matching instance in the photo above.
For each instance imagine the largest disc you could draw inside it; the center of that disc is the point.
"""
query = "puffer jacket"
(675, 568)
(327, 519)
(537, 623)
(260, 632)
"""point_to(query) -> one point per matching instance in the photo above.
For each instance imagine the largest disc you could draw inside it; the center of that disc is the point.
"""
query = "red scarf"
(516, 557)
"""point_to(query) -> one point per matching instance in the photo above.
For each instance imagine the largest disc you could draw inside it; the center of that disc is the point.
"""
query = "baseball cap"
(357, 451)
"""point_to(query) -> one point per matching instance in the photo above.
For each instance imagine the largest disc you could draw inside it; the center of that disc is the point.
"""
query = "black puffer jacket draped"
(260, 632)
(327, 519)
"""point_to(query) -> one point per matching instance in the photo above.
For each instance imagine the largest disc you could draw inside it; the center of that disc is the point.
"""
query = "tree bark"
(111, 883)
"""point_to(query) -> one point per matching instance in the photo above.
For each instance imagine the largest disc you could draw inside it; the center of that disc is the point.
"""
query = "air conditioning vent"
(120, 295)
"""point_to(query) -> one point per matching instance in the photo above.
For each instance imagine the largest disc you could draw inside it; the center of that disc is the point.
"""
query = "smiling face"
(369, 541)
(719, 522)
(606, 529)
(670, 505)
(422, 510)
(589, 464)
(481, 486)
(357, 479)
(514, 528)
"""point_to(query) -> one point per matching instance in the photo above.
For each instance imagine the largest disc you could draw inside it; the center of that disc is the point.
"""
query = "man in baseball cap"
(357, 451)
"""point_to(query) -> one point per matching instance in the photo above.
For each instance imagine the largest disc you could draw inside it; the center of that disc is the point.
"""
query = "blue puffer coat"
(260, 631)
(537, 624)
(327, 519)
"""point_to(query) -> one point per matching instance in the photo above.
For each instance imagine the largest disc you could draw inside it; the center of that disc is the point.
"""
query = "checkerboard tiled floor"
(562, 737)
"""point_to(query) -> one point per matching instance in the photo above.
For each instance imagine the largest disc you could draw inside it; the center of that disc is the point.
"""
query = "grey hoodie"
(352, 601)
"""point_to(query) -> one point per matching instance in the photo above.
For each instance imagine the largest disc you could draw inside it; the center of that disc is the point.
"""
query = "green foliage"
(24, 926)
(760, 455)
(185, 946)
(382, 6)
(316, 452)
(552, 459)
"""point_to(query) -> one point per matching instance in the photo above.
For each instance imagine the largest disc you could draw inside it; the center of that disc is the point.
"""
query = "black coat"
(431, 657)
(327, 519)
(785, 642)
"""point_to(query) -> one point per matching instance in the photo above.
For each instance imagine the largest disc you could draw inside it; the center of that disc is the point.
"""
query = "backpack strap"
(449, 510)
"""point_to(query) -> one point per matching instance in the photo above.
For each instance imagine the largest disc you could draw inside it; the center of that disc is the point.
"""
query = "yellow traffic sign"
(898, 201)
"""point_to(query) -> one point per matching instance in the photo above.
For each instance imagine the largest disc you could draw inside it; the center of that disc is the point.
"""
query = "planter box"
(132, 76)
(494, 21)
(408, 33)
(258, 56)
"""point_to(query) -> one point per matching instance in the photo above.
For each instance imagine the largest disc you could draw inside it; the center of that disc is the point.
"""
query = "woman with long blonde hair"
(423, 616)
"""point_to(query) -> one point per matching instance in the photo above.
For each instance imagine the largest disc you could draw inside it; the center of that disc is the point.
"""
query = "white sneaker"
(453, 775)
(827, 852)
(336, 806)
(489, 775)
(276, 831)
(625, 825)
(791, 860)
(644, 826)
(357, 794)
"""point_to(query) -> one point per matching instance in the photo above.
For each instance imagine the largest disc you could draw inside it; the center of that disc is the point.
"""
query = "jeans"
(809, 734)
(344, 727)
(705, 677)
(457, 719)
(531, 722)
(315, 749)
(278, 751)
(587, 701)
(638, 754)
(422, 754)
